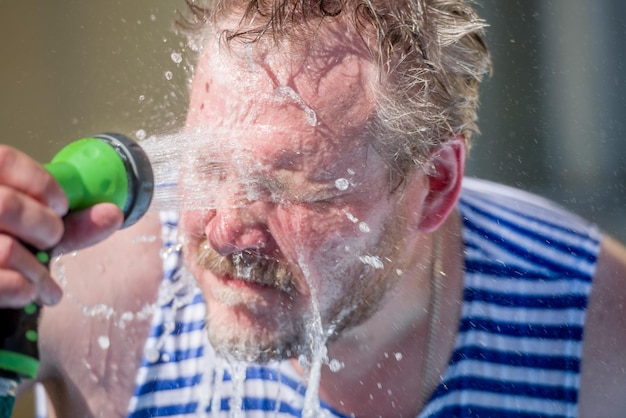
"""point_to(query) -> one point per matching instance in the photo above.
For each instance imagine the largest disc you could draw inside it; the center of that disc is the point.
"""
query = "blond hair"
(431, 54)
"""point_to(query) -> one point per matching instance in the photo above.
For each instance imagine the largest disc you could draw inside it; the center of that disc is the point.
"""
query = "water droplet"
(303, 361)
(363, 227)
(151, 354)
(153, 18)
(176, 57)
(140, 134)
(142, 98)
(144, 238)
(335, 365)
(398, 356)
(125, 318)
(342, 184)
(287, 92)
(104, 342)
(372, 260)
(169, 75)
(351, 217)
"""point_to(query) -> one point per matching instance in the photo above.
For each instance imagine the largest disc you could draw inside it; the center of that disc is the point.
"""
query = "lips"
(243, 282)
(247, 267)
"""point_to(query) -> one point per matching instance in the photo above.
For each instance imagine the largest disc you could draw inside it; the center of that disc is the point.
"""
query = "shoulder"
(604, 356)
(93, 339)
(501, 199)
(526, 233)
(529, 227)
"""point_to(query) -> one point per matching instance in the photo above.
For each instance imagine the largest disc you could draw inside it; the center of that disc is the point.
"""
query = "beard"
(350, 291)
(279, 335)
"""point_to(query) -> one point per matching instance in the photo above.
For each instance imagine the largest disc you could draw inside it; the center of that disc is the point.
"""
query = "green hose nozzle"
(104, 168)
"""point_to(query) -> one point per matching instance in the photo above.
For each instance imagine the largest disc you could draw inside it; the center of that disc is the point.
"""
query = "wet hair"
(431, 53)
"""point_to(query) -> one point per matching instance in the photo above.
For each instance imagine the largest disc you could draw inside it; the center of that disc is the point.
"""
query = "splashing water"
(203, 193)
(318, 340)
(211, 172)
(312, 407)
(238, 375)
(169, 293)
(176, 57)
(170, 156)
(285, 92)
(342, 184)
(214, 173)
(104, 342)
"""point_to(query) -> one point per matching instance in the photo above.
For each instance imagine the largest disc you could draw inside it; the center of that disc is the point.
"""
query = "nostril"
(221, 234)
(227, 234)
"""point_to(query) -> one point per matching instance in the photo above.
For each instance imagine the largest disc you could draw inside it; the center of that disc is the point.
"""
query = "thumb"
(90, 226)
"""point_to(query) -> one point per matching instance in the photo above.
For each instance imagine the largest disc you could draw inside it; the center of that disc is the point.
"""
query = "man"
(324, 220)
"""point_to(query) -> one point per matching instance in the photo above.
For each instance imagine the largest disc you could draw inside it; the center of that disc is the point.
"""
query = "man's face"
(289, 215)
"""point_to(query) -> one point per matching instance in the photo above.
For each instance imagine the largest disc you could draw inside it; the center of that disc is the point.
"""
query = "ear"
(444, 177)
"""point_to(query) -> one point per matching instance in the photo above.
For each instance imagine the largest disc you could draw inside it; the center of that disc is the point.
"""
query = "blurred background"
(73, 68)
(551, 115)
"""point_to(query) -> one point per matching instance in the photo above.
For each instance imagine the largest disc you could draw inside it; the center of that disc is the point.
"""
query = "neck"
(384, 360)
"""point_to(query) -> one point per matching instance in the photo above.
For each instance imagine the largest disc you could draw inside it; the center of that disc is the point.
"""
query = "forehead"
(289, 104)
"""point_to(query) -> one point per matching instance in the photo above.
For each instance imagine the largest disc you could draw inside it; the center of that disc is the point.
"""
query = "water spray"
(107, 168)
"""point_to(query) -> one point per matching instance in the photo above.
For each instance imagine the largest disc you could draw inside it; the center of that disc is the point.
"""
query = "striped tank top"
(528, 271)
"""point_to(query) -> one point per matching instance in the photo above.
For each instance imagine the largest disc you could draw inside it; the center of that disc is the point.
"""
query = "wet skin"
(280, 157)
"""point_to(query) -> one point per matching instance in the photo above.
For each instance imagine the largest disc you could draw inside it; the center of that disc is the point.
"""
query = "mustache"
(249, 267)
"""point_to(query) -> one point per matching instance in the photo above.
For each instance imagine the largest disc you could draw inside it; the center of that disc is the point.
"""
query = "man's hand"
(32, 214)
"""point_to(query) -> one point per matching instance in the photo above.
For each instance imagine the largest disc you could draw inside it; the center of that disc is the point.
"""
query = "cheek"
(187, 221)
(192, 224)
(322, 239)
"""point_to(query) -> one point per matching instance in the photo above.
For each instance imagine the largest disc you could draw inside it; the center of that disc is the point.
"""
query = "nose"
(239, 229)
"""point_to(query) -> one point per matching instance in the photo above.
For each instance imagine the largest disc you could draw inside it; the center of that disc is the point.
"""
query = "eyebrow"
(311, 190)
(279, 183)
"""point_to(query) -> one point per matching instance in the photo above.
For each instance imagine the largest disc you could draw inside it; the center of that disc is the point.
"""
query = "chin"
(243, 334)
(253, 323)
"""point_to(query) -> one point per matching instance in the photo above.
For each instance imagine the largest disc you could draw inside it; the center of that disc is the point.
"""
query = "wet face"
(298, 220)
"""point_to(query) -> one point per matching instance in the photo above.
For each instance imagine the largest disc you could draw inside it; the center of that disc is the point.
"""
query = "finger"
(27, 219)
(20, 270)
(87, 227)
(16, 291)
(20, 172)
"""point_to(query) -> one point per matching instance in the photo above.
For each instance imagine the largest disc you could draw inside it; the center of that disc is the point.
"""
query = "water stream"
(168, 197)
(207, 182)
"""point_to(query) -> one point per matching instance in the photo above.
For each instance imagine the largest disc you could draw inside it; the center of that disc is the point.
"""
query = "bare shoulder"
(91, 343)
(604, 349)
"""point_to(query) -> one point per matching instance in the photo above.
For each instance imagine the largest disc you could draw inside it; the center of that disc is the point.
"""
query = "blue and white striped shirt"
(528, 272)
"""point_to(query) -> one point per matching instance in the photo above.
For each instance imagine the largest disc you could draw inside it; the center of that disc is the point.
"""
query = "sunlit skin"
(289, 166)
(279, 201)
